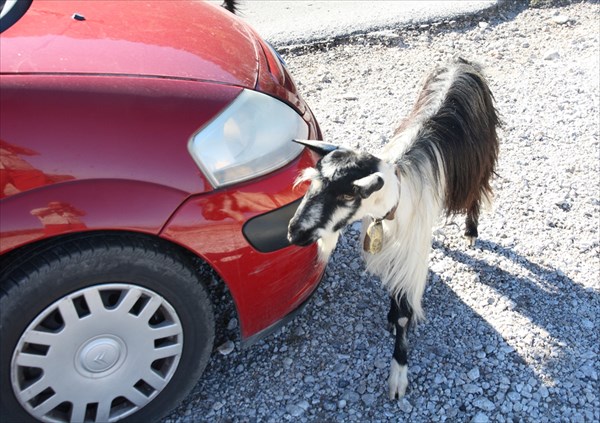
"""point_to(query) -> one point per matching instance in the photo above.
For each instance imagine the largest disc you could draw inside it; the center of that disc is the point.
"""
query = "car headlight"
(251, 137)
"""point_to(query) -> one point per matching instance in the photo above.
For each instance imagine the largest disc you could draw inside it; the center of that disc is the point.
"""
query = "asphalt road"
(285, 23)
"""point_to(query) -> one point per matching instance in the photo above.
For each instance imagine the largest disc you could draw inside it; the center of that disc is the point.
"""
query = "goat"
(441, 158)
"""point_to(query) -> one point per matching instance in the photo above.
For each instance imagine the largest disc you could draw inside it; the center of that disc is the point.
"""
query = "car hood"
(174, 39)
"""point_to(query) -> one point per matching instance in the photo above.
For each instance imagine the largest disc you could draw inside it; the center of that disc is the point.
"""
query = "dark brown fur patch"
(462, 130)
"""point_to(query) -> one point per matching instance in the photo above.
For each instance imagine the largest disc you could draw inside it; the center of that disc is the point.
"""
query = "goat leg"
(471, 223)
(393, 315)
(398, 379)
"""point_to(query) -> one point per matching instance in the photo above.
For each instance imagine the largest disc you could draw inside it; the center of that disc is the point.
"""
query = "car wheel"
(101, 329)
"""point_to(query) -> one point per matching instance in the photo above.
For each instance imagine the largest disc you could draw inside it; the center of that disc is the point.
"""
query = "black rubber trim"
(268, 232)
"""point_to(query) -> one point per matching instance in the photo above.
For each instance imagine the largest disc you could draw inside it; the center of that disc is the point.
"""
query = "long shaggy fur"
(451, 130)
(403, 261)
(446, 152)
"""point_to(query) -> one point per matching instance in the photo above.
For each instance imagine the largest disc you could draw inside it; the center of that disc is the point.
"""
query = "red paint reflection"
(18, 175)
(237, 205)
(59, 217)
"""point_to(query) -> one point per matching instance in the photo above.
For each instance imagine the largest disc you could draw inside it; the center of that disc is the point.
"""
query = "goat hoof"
(398, 380)
(397, 394)
(470, 241)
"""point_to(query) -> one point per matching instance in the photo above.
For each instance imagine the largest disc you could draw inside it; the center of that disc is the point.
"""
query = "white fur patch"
(328, 238)
(328, 169)
(381, 202)
(398, 380)
(402, 264)
(398, 145)
(311, 217)
(403, 321)
(439, 89)
(326, 245)
(471, 241)
(308, 174)
(367, 181)
(340, 214)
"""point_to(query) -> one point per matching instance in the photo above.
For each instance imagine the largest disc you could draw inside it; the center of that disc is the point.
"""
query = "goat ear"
(369, 184)
(318, 147)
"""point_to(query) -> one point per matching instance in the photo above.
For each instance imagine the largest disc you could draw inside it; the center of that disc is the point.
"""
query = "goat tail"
(231, 5)
(469, 148)
(454, 125)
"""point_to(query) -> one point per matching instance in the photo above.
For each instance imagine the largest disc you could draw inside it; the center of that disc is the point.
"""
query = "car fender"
(265, 285)
(87, 205)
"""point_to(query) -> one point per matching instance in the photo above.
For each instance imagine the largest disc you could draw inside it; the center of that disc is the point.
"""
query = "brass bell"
(374, 237)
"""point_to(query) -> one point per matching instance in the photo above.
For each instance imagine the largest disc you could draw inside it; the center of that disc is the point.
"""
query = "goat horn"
(319, 147)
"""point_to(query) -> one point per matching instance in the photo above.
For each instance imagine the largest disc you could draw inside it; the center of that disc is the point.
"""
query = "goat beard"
(326, 245)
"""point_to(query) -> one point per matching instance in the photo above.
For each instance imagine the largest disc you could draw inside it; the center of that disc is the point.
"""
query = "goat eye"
(348, 197)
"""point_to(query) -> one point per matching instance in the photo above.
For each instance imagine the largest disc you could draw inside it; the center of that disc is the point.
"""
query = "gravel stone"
(588, 324)
(560, 19)
(368, 399)
(303, 405)
(480, 418)
(329, 406)
(589, 372)
(511, 329)
(473, 373)
(381, 364)
(405, 406)
(226, 348)
(294, 410)
(472, 389)
(351, 396)
(484, 404)
(543, 391)
(309, 379)
(552, 55)
(233, 324)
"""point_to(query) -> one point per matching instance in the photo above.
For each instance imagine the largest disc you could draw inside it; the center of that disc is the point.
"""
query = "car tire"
(101, 328)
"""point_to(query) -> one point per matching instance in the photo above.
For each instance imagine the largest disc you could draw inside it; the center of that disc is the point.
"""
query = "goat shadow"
(547, 297)
(354, 351)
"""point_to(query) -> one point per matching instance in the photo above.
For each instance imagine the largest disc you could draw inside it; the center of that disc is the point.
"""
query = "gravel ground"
(512, 330)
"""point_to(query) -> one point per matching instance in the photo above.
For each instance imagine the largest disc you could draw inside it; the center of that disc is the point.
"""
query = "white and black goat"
(440, 159)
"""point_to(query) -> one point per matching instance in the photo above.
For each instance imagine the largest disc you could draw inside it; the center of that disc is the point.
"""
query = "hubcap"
(98, 354)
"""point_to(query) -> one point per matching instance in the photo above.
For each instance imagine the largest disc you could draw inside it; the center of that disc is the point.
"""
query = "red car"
(144, 145)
